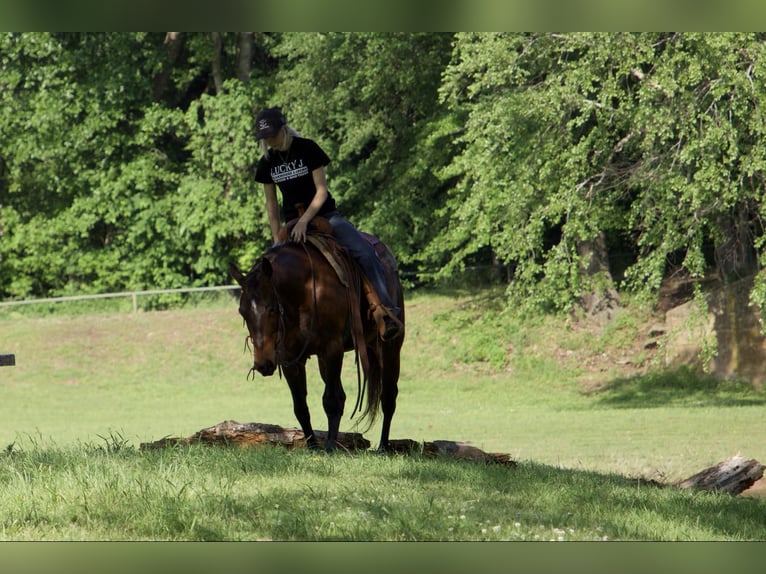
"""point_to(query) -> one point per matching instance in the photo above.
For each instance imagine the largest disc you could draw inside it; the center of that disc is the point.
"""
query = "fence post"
(135, 303)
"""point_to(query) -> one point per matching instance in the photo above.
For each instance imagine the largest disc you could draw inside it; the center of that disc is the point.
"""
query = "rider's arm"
(272, 208)
(320, 182)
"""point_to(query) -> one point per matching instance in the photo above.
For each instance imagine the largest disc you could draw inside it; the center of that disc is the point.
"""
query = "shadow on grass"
(646, 510)
(204, 493)
(543, 499)
(681, 387)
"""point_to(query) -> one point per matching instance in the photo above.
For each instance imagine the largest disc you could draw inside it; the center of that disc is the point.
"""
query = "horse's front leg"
(296, 380)
(334, 398)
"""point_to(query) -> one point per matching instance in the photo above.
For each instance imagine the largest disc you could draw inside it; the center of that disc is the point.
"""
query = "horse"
(295, 304)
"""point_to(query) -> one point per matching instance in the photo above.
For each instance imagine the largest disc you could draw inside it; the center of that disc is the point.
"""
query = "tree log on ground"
(734, 475)
(261, 434)
(256, 435)
(449, 448)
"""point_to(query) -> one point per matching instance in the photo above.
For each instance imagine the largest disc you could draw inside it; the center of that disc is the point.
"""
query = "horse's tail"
(371, 387)
(380, 353)
(368, 383)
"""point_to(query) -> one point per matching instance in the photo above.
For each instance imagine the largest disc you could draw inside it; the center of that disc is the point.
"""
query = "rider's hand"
(299, 231)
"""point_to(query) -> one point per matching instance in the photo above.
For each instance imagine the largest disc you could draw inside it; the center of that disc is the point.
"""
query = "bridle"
(282, 327)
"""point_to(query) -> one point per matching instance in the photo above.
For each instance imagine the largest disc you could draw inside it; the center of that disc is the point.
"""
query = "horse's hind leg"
(334, 398)
(389, 393)
(296, 380)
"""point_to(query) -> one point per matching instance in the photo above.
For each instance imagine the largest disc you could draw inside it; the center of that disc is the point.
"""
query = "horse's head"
(260, 308)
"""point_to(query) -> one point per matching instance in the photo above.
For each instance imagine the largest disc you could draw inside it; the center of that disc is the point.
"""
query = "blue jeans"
(364, 255)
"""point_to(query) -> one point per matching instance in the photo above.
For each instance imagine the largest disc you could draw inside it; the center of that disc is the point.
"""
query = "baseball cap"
(269, 122)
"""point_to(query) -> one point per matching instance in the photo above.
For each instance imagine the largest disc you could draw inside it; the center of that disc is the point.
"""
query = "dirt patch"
(635, 354)
(758, 490)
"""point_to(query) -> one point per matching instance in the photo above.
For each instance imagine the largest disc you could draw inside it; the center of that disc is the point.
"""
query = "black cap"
(269, 122)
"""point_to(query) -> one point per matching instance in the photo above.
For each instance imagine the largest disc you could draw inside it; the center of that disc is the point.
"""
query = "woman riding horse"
(297, 166)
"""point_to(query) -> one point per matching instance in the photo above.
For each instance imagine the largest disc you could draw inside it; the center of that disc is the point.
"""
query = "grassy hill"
(584, 409)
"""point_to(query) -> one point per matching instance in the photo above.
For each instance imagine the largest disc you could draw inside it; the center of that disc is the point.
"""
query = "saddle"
(319, 233)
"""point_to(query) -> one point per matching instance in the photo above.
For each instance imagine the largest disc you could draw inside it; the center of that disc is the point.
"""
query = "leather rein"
(282, 329)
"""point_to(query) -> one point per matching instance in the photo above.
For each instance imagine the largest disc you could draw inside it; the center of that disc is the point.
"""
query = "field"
(573, 404)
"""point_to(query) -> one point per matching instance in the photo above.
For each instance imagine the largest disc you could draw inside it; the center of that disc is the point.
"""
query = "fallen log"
(261, 434)
(257, 435)
(734, 476)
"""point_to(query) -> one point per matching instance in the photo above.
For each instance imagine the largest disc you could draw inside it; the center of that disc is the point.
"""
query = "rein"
(282, 330)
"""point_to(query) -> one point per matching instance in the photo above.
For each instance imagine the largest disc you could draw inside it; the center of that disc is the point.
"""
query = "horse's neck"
(290, 264)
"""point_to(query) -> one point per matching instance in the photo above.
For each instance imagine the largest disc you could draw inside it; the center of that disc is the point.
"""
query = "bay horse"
(295, 305)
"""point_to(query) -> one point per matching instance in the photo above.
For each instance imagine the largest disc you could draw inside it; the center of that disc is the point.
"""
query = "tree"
(587, 163)
(648, 143)
(118, 171)
(370, 100)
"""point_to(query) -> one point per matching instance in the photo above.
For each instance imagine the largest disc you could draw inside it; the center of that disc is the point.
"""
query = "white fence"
(134, 295)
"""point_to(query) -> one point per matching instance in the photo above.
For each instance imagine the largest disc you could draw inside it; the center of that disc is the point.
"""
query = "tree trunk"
(245, 59)
(262, 434)
(449, 448)
(600, 298)
(256, 435)
(217, 62)
(735, 255)
(174, 41)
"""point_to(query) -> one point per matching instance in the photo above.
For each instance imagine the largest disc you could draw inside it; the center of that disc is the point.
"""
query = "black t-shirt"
(291, 172)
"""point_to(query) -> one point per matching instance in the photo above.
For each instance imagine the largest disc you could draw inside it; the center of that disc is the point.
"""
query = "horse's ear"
(236, 274)
(266, 267)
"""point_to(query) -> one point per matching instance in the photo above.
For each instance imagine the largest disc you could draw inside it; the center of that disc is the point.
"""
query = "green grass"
(199, 493)
(87, 389)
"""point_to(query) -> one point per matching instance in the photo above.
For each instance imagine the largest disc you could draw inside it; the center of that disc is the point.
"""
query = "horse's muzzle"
(266, 369)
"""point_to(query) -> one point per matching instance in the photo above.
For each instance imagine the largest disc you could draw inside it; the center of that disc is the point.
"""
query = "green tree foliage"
(576, 159)
(109, 183)
(653, 140)
(371, 101)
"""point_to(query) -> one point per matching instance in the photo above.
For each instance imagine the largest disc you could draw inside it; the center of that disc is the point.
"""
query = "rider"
(296, 165)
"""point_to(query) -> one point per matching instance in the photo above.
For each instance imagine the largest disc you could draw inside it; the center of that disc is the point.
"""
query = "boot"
(389, 326)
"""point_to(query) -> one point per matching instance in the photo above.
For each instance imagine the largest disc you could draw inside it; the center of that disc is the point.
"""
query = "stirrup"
(389, 325)
(394, 328)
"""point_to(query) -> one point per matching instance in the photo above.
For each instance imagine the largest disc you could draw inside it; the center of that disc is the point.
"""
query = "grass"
(88, 388)
(199, 493)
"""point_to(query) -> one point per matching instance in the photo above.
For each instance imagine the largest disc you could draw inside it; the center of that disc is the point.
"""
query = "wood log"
(7, 360)
(262, 434)
(257, 435)
(734, 475)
